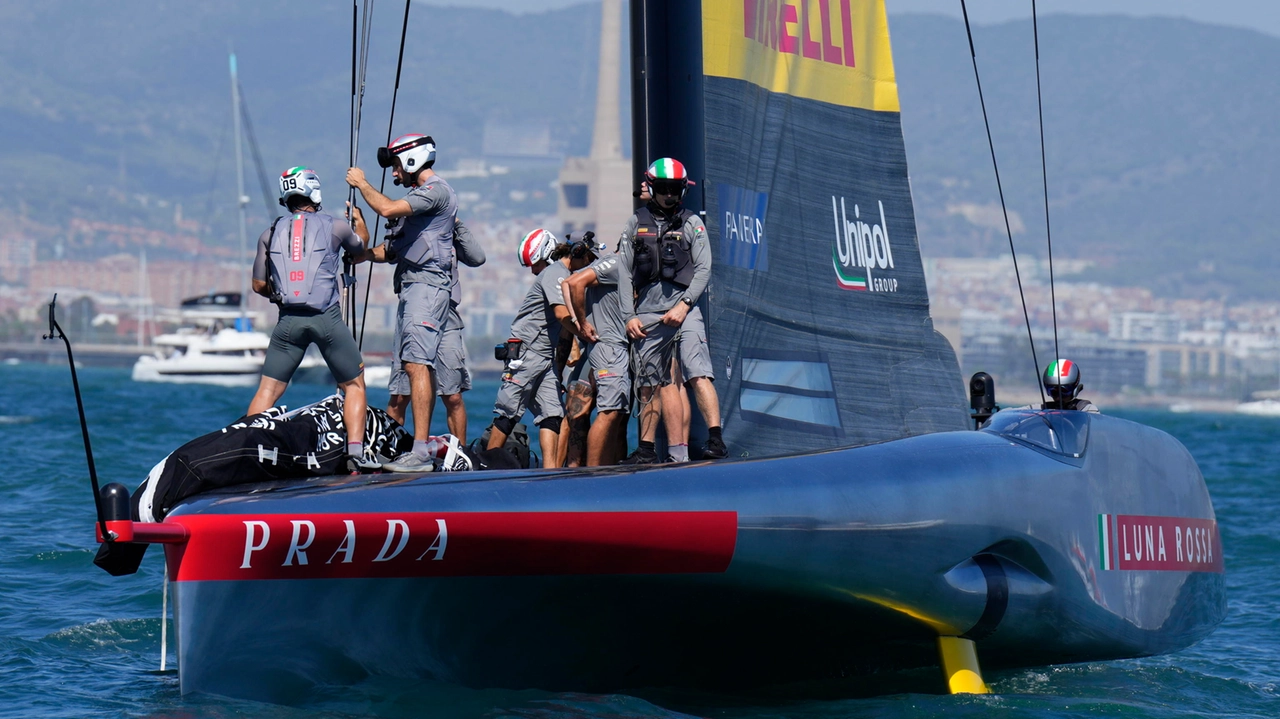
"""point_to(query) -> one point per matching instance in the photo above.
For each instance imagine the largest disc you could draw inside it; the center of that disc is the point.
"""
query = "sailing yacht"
(861, 527)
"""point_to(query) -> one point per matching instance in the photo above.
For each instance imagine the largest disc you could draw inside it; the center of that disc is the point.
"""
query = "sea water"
(75, 642)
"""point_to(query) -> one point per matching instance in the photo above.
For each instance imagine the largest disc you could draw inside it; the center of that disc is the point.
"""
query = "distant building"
(1144, 327)
(596, 191)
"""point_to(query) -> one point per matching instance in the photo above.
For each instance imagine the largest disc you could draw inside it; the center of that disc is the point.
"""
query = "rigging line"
(1044, 174)
(395, 93)
(1003, 207)
(359, 71)
(257, 156)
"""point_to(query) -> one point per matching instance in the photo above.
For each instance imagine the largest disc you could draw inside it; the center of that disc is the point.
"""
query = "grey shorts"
(451, 374)
(533, 386)
(611, 373)
(654, 352)
(695, 356)
(420, 318)
(295, 332)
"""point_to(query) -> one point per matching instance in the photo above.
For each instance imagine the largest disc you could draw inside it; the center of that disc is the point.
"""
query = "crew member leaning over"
(531, 379)
(667, 260)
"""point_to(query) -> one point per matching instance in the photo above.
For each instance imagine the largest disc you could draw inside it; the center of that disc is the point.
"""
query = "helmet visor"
(673, 188)
(385, 158)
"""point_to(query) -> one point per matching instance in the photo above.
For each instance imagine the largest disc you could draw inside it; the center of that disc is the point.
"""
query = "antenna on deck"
(56, 333)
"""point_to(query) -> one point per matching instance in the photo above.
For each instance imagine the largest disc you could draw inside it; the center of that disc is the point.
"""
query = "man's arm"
(469, 251)
(576, 291)
(701, 251)
(357, 223)
(259, 282)
(378, 202)
(350, 242)
(626, 293)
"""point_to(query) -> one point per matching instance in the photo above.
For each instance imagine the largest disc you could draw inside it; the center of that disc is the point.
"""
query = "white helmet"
(301, 181)
(536, 247)
(416, 153)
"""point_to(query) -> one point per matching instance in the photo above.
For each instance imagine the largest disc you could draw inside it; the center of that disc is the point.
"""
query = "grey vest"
(423, 244)
(303, 262)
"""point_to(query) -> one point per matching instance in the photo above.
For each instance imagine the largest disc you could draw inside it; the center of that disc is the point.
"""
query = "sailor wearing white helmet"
(420, 242)
(531, 379)
(296, 267)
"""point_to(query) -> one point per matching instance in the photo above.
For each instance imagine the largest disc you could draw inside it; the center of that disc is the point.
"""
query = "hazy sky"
(1261, 15)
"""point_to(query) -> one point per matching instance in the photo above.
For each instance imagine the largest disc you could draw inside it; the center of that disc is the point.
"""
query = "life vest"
(302, 261)
(425, 242)
(661, 254)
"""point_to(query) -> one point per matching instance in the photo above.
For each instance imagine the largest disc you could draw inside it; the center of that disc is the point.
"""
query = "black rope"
(391, 121)
(1044, 174)
(991, 143)
(361, 34)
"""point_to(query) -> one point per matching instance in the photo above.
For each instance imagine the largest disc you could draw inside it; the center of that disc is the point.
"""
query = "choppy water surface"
(75, 642)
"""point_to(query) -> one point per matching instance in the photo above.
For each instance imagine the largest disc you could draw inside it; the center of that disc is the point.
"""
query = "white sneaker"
(409, 462)
(455, 460)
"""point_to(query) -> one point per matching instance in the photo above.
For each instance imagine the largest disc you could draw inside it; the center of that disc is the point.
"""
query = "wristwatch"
(687, 301)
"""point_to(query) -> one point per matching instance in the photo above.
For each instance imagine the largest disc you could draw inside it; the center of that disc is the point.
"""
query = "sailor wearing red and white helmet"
(666, 259)
(420, 242)
(296, 267)
(530, 378)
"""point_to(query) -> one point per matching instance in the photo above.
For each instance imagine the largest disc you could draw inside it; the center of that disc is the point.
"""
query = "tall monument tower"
(595, 191)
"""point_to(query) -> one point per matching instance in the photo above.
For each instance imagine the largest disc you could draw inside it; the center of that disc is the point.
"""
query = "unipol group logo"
(862, 249)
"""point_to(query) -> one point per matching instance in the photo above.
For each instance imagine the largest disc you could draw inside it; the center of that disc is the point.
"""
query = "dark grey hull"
(845, 563)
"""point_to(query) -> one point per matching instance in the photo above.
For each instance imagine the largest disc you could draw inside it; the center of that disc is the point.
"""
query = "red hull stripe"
(451, 544)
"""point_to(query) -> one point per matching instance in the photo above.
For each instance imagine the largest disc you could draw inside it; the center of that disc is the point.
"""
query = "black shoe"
(642, 456)
(715, 449)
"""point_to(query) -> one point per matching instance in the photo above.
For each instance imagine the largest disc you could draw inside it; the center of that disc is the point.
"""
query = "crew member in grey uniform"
(593, 295)
(420, 242)
(452, 376)
(296, 267)
(666, 258)
(531, 379)
(579, 390)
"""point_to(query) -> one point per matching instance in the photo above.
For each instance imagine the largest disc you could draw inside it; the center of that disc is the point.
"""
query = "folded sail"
(819, 316)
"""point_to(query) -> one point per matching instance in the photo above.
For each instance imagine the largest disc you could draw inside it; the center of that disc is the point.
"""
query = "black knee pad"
(505, 425)
(551, 423)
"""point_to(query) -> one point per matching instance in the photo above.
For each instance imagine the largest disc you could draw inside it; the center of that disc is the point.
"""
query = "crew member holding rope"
(667, 259)
(420, 242)
(296, 267)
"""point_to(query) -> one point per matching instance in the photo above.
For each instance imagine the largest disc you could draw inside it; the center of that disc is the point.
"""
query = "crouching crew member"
(530, 379)
(420, 242)
(451, 374)
(667, 260)
(1062, 384)
(297, 268)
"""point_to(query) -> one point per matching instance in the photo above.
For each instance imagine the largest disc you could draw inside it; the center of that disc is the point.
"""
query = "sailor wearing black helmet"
(296, 267)
(1062, 384)
(420, 242)
(667, 260)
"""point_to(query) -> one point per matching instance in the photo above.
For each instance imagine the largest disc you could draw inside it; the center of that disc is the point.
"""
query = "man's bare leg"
(600, 438)
(396, 407)
(455, 413)
(422, 392)
(650, 411)
(353, 408)
(573, 431)
(269, 390)
(704, 393)
(549, 441)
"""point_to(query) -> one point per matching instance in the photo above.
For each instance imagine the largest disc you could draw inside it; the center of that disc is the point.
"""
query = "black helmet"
(1062, 380)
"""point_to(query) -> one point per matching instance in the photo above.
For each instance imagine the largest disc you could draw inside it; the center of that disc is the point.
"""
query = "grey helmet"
(301, 181)
(1062, 380)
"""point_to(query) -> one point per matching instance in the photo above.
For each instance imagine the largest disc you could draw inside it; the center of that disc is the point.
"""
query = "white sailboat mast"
(242, 199)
